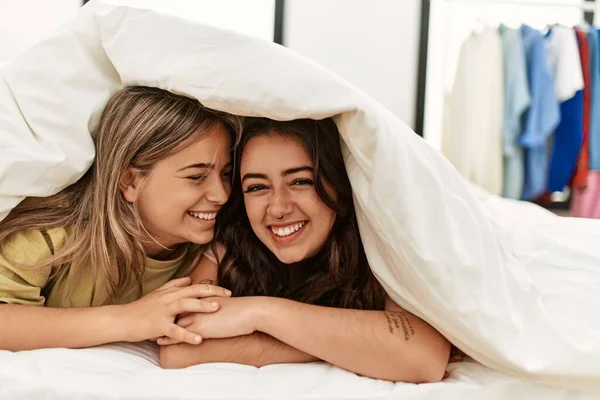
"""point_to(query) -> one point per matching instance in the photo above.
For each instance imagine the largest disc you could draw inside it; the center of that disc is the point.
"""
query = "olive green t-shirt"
(35, 286)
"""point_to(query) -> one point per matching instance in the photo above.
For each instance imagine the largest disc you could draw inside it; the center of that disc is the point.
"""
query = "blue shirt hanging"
(542, 117)
(561, 43)
(516, 101)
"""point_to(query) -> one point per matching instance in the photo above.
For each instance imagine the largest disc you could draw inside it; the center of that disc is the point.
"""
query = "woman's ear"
(130, 184)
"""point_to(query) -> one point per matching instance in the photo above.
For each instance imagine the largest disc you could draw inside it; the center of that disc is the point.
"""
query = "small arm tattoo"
(398, 320)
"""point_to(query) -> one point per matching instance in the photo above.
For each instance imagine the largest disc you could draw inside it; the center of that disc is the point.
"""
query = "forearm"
(390, 345)
(257, 349)
(35, 327)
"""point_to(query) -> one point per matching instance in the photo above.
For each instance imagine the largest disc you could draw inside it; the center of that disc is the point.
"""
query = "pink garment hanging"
(587, 204)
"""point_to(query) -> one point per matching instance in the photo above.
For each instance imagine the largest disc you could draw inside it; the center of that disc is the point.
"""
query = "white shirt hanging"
(563, 55)
(473, 113)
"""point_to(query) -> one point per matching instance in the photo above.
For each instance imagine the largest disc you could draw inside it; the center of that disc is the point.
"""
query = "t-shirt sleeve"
(24, 284)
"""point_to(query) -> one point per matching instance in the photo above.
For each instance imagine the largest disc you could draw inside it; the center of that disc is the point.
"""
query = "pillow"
(520, 297)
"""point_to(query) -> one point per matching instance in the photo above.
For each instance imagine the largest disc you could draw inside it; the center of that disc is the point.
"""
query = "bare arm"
(34, 327)
(257, 349)
(392, 344)
(27, 327)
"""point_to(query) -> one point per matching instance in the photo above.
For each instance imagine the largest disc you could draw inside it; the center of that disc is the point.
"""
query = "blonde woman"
(99, 261)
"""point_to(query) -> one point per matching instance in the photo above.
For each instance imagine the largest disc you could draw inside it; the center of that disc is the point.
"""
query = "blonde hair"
(139, 127)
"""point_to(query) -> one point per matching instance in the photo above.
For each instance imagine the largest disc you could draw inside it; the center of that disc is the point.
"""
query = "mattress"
(131, 371)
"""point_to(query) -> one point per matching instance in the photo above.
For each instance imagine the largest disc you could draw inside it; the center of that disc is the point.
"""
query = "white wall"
(371, 43)
(250, 17)
(25, 22)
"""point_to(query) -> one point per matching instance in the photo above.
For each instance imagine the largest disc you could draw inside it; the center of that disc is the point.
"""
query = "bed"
(515, 287)
(131, 371)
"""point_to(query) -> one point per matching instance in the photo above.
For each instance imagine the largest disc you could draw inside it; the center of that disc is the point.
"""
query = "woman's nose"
(280, 205)
(217, 193)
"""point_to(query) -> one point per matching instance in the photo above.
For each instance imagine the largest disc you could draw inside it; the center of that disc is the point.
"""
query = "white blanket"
(519, 293)
(131, 372)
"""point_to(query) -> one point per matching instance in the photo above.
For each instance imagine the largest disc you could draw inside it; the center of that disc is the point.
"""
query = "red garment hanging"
(580, 178)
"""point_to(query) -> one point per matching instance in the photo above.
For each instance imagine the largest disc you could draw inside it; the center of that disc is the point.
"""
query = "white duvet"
(516, 288)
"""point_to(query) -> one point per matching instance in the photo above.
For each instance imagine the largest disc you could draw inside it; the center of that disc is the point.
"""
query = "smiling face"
(283, 208)
(180, 198)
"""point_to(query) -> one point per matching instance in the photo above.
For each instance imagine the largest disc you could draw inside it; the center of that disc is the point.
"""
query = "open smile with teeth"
(203, 216)
(283, 231)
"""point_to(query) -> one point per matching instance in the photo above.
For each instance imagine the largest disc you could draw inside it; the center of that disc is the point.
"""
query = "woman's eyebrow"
(294, 170)
(289, 171)
(198, 165)
(253, 175)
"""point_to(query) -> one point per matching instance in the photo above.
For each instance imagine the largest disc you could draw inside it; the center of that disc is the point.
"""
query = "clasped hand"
(153, 316)
(235, 317)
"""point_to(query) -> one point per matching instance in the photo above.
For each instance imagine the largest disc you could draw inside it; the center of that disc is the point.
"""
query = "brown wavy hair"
(339, 274)
(139, 127)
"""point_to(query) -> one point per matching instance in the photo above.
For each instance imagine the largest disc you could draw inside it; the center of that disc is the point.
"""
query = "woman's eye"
(197, 178)
(226, 175)
(254, 188)
(303, 182)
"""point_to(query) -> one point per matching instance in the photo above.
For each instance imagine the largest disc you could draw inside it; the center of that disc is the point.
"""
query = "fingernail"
(197, 339)
(214, 305)
(228, 292)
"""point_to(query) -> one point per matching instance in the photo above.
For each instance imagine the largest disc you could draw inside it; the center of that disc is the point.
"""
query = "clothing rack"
(588, 7)
(584, 6)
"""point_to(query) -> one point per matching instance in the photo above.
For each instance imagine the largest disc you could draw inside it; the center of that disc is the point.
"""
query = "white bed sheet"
(131, 371)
